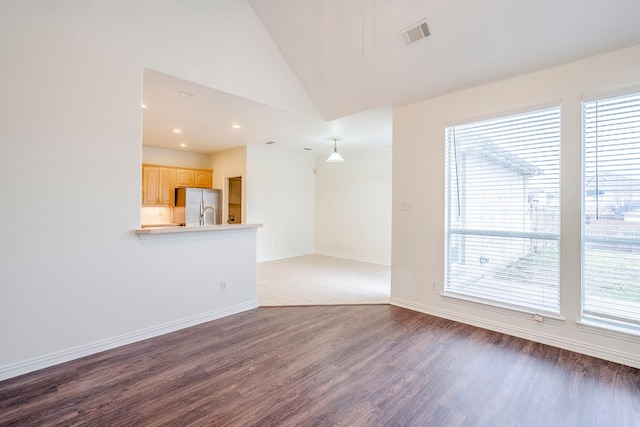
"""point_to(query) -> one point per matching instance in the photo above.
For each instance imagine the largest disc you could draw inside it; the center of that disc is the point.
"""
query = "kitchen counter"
(177, 230)
(158, 225)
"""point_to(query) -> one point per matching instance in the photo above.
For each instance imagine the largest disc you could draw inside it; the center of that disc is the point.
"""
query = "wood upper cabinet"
(200, 178)
(203, 178)
(185, 178)
(158, 184)
(166, 186)
(150, 177)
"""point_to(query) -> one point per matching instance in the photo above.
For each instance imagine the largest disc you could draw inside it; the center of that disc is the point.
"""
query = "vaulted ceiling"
(349, 56)
(350, 59)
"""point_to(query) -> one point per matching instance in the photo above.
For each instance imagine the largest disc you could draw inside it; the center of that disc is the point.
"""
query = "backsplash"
(151, 215)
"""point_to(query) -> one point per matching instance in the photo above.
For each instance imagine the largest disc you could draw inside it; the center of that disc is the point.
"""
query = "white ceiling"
(349, 58)
(206, 118)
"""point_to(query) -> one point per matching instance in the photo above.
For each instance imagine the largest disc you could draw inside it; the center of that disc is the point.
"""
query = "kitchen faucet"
(203, 209)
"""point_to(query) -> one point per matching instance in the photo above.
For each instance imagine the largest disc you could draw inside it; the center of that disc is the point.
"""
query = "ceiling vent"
(414, 33)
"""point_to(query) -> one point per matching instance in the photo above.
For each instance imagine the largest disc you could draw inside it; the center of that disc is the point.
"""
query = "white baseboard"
(624, 358)
(331, 254)
(354, 258)
(37, 363)
(279, 257)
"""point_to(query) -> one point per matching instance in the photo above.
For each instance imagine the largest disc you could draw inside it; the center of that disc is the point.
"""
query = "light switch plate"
(406, 205)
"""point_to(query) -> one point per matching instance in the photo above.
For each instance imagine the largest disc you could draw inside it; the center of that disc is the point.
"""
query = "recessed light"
(144, 105)
(183, 145)
(308, 149)
(270, 142)
(184, 93)
(176, 130)
(235, 126)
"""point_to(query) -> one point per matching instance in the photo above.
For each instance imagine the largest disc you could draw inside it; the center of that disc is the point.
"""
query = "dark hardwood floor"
(328, 365)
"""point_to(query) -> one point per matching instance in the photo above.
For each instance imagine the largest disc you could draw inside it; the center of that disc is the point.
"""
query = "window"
(611, 210)
(502, 210)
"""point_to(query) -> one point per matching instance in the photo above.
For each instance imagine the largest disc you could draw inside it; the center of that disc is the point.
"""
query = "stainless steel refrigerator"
(197, 206)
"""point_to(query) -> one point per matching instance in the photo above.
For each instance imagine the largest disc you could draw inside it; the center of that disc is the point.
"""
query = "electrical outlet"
(223, 285)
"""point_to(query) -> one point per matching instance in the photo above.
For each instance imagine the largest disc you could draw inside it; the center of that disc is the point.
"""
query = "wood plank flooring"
(369, 365)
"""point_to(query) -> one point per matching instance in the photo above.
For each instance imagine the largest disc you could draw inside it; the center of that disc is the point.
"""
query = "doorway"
(234, 206)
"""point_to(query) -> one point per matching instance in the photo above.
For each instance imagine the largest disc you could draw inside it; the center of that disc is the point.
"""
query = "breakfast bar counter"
(150, 232)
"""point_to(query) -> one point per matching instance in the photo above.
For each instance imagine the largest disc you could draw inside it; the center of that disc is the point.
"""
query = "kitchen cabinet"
(203, 178)
(158, 185)
(199, 178)
(185, 178)
(159, 182)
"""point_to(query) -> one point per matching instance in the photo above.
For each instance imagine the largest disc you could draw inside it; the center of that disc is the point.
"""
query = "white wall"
(72, 272)
(161, 156)
(280, 195)
(229, 164)
(418, 176)
(353, 206)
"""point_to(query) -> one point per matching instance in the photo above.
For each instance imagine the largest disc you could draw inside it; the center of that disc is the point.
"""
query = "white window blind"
(502, 210)
(611, 186)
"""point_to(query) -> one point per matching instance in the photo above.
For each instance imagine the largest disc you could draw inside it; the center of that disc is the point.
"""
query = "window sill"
(520, 312)
(595, 326)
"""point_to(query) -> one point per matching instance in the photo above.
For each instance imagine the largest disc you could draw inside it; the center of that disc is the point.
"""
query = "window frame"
(590, 316)
(449, 207)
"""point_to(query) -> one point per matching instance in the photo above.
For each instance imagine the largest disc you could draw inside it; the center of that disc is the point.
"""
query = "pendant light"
(335, 157)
